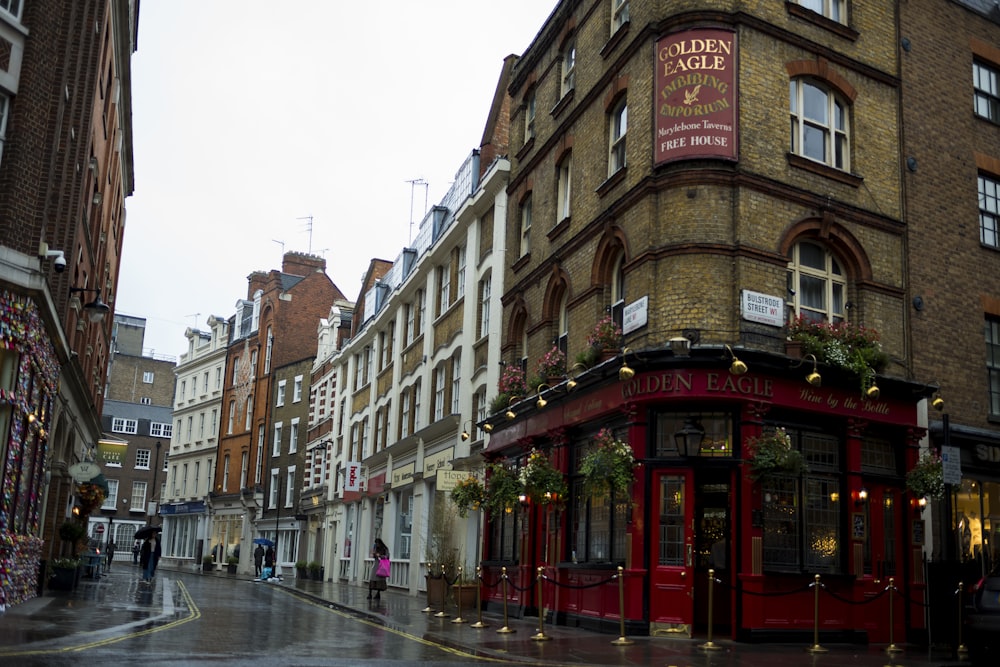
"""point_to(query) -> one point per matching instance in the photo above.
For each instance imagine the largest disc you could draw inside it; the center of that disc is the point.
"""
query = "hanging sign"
(84, 471)
(352, 476)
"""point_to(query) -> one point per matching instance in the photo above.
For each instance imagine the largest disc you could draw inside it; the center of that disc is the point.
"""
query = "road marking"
(168, 610)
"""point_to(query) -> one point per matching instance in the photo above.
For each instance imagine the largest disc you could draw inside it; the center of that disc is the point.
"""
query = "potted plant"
(926, 478)
(606, 337)
(65, 574)
(300, 569)
(543, 484)
(608, 466)
(842, 344)
(72, 531)
(468, 494)
(441, 556)
(511, 385)
(503, 489)
(232, 562)
(207, 563)
(552, 367)
(772, 454)
(314, 570)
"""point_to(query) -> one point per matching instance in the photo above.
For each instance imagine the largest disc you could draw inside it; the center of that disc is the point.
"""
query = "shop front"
(715, 531)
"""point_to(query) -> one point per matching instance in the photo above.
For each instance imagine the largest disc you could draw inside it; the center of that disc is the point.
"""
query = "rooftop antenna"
(309, 228)
(413, 184)
(195, 316)
(282, 244)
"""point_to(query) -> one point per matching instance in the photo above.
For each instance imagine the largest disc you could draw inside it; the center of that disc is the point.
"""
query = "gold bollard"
(816, 648)
(891, 648)
(459, 619)
(710, 645)
(962, 650)
(479, 601)
(506, 629)
(622, 639)
(540, 636)
(443, 613)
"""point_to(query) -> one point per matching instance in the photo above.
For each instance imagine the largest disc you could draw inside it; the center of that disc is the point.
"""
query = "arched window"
(819, 123)
(817, 283)
(563, 340)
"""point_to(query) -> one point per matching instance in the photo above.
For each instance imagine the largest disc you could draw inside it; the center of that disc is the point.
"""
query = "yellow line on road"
(194, 614)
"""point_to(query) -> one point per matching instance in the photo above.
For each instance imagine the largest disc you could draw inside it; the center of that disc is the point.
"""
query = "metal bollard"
(891, 648)
(710, 645)
(962, 650)
(459, 619)
(479, 601)
(816, 648)
(622, 640)
(506, 629)
(443, 613)
(540, 635)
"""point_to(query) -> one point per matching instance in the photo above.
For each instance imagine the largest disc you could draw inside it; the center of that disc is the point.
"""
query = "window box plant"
(772, 454)
(511, 385)
(552, 366)
(842, 344)
(468, 494)
(606, 336)
(608, 466)
(543, 483)
(926, 478)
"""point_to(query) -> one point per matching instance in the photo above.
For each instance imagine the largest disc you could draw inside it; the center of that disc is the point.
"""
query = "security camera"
(59, 260)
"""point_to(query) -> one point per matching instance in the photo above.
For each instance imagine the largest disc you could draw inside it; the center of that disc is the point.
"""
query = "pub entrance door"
(671, 601)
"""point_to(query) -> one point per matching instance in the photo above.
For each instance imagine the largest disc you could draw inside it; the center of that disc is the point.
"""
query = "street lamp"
(156, 469)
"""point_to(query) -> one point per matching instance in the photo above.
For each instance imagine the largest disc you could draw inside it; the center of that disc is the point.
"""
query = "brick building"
(65, 171)
(705, 177)
(950, 66)
(273, 328)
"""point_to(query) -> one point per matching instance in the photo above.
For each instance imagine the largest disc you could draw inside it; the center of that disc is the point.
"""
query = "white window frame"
(619, 14)
(456, 382)
(564, 188)
(525, 214)
(987, 90)
(293, 436)
(12, 7)
(439, 384)
(530, 112)
(276, 443)
(143, 458)
(835, 10)
(485, 288)
(244, 468)
(989, 210)
(297, 389)
(834, 285)
(444, 271)
(832, 129)
(147, 377)
(137, 503)
(280, 394)
(289, 486)
(111, 500)
(617, 158)
(567, 77)
(122, 425)
(460, 274)
(404, 413)
(272, 496)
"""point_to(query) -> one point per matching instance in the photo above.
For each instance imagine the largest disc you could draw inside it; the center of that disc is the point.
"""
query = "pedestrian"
(111, 553)
(135, 553)
(380, 571)
(269, 563)
(258, 560)
(145, 556)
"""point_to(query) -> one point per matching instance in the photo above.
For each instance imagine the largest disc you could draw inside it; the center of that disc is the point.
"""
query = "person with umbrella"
(258, 560)
(269, 561)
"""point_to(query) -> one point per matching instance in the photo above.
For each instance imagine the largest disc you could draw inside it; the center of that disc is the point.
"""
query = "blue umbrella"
(263, 540)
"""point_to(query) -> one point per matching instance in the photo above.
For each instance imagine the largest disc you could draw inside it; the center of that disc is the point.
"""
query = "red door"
(671, 599)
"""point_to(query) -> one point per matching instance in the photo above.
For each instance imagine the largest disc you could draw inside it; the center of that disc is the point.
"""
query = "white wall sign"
(635, 315)
(951, 462)
(763, 308)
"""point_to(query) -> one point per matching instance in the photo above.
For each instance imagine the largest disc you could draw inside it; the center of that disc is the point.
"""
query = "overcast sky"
(251, 117)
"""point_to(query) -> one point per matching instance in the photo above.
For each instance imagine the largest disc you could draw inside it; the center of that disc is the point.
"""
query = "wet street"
(187, 619)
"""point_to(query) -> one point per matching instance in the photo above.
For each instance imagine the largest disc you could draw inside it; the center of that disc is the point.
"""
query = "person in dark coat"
(269, 561)
(145, 556)
(375, 582)
(110, 550)
(258, 560)
(135, 553)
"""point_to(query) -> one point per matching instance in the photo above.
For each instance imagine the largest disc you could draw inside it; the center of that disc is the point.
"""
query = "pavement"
(518, 640)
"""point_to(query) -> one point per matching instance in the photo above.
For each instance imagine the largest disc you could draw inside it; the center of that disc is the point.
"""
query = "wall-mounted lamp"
(862, 497)
(625, 373)
(541, 402)
(96, 309)
(937, 402)
(737, 367)
(572, 383)
(814, 378)
(680, 346)
(466, 432)
(873, 391)
(510, 414)
(488, 427)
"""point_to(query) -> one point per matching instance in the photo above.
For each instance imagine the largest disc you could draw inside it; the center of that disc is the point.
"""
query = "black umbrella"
(147, 531)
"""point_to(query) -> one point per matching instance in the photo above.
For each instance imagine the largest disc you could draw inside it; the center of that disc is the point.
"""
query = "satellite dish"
(84, 471)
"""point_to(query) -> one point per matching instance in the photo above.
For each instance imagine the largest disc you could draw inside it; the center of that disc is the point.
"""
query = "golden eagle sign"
(695, 103)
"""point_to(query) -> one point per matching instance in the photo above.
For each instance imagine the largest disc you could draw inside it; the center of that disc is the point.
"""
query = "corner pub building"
(656, 176)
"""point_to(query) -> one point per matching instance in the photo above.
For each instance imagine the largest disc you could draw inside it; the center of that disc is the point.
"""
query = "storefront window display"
(976, 521)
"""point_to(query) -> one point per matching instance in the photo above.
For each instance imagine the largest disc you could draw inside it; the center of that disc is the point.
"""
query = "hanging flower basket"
(543, 484)
(842, 344)
(552, 366)
(926, 478)
(91, 497)
(610, 466)
(503, 490)
(607, 335)
(468, 494)
(772, 454)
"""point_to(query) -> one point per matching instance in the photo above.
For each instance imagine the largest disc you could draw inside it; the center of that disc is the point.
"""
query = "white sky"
(249, 116)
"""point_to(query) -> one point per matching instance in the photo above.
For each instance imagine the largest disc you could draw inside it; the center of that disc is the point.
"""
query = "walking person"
(380, 569)
(269, 563)
(145, 556)
(258, 560)
(135, 553)
(111, 554)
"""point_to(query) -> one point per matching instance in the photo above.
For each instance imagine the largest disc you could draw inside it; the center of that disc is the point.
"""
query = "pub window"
(597, 521)
(706, 434)
(503, 531)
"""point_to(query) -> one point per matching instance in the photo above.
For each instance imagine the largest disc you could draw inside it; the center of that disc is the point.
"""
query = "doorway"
(713, 551)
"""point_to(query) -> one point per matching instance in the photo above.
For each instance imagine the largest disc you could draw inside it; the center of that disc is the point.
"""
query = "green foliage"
(610, 466)
(314, 566)
(607, 335)
(846, 345)
(440, 551)
(552, 364)
(542, 482)
(503, 490)
(66, 563)
(232, 560)
(468, 494)
(300, 565)
(207, 560)
(772, 453)
(927, 477)
(72, 531)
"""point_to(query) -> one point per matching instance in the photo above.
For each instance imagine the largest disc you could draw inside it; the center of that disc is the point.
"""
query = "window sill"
(561, 227)
(561, 105)
(525, 149)
(809, 16)
(824, 170)
(612, 180)
(615, 39)
(521, 263)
